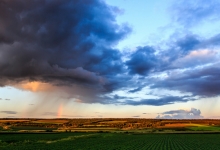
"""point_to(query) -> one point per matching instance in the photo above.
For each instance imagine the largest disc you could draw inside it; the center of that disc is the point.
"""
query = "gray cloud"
(142, 61)
(136, 116)
(204, 82)
(8, 112)
(181, 114)
(160, 101)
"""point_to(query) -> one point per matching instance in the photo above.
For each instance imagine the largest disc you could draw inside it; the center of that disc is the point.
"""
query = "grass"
(205, 128)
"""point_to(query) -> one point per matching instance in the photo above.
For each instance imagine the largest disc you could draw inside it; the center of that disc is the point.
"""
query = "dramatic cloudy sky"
(110, 58)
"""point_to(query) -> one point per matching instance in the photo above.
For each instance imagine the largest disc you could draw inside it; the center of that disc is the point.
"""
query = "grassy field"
(109, 141)
(205, 128)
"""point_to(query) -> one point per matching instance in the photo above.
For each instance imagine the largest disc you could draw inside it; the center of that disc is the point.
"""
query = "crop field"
(18, 128)
(113, 122)
(52, 121)
(205, 128)
(120, 141)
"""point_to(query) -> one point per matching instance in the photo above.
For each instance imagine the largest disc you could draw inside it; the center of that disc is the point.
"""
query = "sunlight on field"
(113, 121)
(51, 121)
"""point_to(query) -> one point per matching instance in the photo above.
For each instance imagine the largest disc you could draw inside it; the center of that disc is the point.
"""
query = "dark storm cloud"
(181, 114)
(70, 43)
(160, 101)
(142, 61)
(60, 42)
(49, 38)
(8, 112)
(194, 12)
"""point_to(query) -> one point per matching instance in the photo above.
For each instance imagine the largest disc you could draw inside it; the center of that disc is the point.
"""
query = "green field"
(205, 128)
(109, 141)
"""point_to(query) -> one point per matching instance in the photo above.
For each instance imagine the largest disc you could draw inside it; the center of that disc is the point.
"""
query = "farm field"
(108, 125)
(120, 141)
(109, 133)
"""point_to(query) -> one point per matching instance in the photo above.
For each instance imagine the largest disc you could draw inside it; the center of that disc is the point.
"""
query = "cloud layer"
(181, 114)
(69, 46)
(8, 112)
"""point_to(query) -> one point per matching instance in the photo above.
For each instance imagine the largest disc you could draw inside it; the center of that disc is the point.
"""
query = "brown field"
(177, 125)
(51, 121)
(89, 128)
(113, 121)
(109, 125)
(98, 125)
(16, 120)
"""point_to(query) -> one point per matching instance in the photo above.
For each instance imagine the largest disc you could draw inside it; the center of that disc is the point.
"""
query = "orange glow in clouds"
(35, 86)
(60, 110)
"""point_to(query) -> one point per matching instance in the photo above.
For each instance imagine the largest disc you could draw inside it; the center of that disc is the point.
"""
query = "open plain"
(109, 133)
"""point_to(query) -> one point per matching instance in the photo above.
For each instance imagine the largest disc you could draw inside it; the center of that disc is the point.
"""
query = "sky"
(110, 59)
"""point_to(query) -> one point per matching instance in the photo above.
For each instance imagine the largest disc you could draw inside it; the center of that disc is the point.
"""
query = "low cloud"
(50, 114)
(136, 116)
(8, 112)
(181, 114)
(160, 101)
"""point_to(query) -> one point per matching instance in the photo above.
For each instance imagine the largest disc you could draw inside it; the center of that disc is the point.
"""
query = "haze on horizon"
(110, 59)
